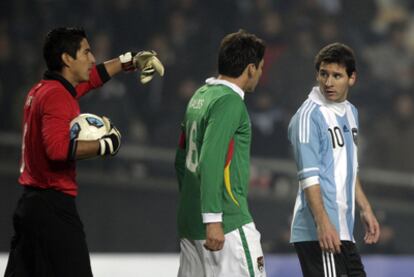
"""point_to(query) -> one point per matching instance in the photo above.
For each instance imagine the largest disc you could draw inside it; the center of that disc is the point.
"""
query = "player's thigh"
(190, 261)
(241, 255)
(61, 237)
(254, 246)
(49, 239)
(316, 263)
(67, 249)
(68, 252)
(22, 247)
(353, 260)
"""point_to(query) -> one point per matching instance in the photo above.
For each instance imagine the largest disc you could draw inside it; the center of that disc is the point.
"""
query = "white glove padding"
(146, 61)
(149, 64)
(111, 142)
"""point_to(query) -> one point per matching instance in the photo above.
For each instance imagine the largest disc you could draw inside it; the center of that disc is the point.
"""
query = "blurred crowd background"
(128, 203)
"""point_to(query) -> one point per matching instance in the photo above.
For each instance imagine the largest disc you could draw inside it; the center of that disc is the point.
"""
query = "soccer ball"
(87, 126)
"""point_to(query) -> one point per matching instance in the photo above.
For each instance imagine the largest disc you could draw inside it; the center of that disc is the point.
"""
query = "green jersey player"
(218, 236)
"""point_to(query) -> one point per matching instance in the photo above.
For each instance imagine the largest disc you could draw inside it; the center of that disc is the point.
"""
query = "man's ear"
(352, 79)
(251, 70)
(66, 59)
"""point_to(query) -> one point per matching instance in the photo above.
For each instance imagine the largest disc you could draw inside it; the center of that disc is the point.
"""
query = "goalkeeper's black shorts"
(49, 239)
(317, 263)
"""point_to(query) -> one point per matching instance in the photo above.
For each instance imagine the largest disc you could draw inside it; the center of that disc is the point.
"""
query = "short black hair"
(61, 40)
(337, 53)
(238, 50)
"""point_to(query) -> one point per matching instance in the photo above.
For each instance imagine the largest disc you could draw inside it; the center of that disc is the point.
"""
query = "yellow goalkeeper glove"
(146, 61)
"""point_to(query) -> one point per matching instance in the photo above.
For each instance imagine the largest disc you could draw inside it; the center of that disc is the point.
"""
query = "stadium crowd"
(186, 33)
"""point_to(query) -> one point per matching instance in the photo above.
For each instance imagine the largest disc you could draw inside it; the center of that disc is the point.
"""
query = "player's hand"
(372, 228)
(328, 237)
(214, 236)
(146, 61)
(110, 143)
(149, 64)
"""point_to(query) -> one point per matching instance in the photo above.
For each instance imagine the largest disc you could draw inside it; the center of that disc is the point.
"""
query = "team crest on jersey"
(355, 135)
(260, 263)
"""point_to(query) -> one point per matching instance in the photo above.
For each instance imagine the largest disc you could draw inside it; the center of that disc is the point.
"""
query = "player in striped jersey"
(323, 133)
(217, 233)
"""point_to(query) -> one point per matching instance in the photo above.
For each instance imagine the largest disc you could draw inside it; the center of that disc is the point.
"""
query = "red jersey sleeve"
(57, 114)
(97, 78)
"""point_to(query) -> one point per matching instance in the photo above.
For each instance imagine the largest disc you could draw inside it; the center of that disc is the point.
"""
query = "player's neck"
(237, 81)
(69, 77)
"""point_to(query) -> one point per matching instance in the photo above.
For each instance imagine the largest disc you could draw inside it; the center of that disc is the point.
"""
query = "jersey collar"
(316, 96)
(50, 75)
(214, 81)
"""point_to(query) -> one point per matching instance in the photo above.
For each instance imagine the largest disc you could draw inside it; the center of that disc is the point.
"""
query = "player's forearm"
(360, 197)
(86, 149)
(211, 172)
(315, 202)
(113, 66)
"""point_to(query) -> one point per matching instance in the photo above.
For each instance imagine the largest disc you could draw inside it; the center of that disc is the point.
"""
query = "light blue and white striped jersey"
(324, 139)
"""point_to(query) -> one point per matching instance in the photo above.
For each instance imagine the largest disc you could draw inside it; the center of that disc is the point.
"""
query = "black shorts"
(48, 237)
(317, 263)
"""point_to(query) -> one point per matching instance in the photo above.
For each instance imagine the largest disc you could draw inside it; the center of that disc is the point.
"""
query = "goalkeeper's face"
(82, 65)
(254, 76)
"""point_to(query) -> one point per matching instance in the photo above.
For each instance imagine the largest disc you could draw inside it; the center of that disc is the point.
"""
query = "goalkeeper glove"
(111, 142)
(146, 61)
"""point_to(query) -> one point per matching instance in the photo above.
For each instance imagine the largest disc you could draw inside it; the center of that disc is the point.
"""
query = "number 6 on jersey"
(192, 155)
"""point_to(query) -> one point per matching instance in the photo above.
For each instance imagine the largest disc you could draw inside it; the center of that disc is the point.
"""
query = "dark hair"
(61, 40)
(238, 50)
(337, 53)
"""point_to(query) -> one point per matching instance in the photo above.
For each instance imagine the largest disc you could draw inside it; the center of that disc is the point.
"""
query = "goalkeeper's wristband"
(127, 61)
(109, 145)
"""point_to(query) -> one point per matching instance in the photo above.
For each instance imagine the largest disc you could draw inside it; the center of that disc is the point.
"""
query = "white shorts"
(241, 255)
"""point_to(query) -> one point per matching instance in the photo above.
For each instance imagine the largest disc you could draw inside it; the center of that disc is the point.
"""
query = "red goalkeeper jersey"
(49, 108)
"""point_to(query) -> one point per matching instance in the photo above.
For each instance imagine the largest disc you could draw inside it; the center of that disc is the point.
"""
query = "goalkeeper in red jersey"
(217, 233)
(49, 239)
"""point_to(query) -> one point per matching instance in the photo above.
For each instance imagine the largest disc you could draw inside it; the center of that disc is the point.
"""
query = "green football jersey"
(213, 160)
